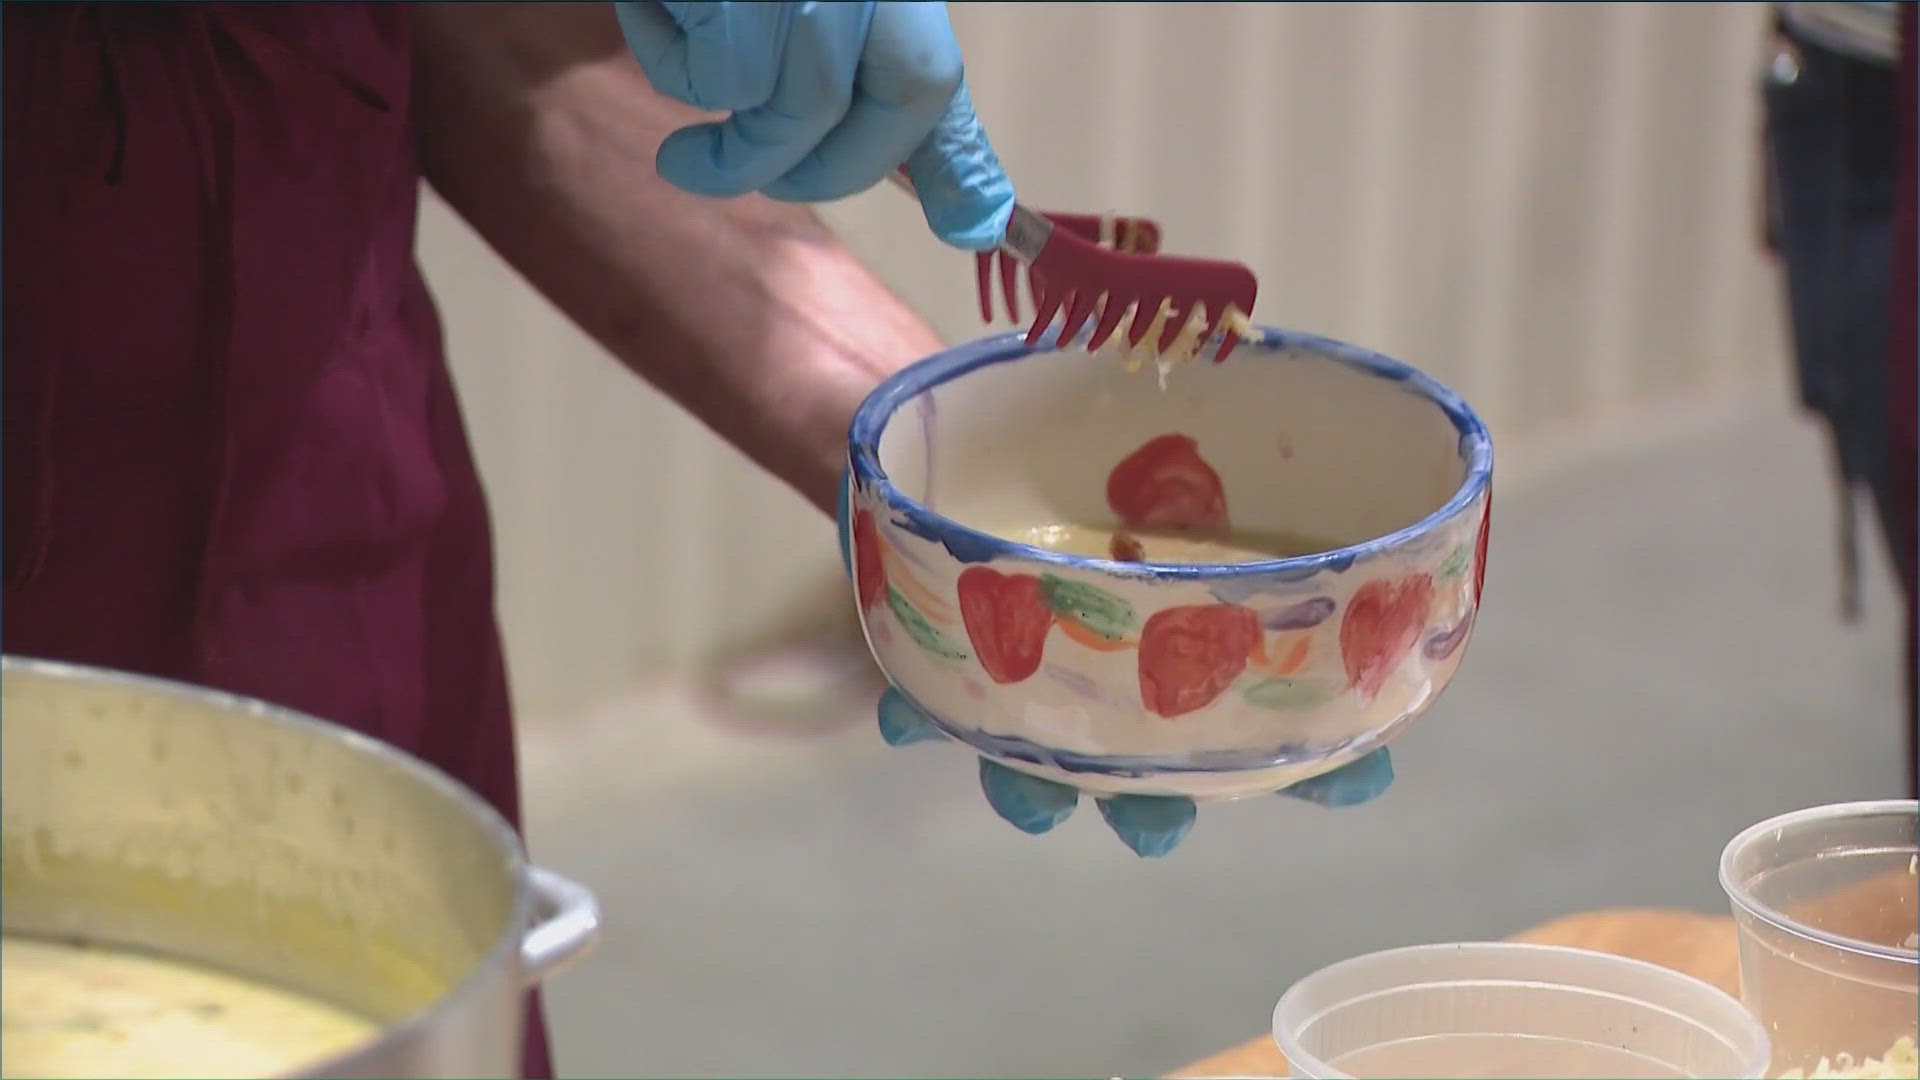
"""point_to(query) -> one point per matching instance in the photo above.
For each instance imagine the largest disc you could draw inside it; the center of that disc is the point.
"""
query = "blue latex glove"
(826, 99)
(1152, 825)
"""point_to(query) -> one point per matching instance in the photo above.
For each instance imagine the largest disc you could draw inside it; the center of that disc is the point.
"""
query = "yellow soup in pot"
(70, 1010)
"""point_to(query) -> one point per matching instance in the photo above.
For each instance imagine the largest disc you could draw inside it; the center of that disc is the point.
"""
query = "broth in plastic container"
(1492, 1011)
(1827, 901)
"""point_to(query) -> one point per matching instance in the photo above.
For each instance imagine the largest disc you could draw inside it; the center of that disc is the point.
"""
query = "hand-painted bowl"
(1210, 680)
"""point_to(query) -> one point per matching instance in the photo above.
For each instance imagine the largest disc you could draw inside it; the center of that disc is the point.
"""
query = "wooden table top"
(1702, 946)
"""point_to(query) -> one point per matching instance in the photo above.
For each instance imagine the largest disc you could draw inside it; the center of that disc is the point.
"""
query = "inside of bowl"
(1298, 443)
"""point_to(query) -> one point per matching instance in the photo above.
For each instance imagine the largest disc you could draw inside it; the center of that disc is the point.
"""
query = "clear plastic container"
(1497, 1010)
(1827, 908)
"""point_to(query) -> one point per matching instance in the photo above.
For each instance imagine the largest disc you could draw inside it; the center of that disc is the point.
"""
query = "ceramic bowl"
(1210, 680)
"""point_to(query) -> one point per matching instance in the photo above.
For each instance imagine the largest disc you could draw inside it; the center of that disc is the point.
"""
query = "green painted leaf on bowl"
(1288, 694)
(924, 633)
(1089, 605)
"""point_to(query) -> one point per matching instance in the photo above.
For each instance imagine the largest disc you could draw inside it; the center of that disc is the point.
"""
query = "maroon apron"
(232, 451)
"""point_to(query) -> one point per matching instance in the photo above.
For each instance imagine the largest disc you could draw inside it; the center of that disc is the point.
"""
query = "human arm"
(539, 128)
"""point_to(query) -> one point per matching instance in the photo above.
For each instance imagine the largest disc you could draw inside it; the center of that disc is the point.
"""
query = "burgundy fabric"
(232, 451)
(1903, 388)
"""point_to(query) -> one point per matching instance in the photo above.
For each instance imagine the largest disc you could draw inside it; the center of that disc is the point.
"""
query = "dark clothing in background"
(1831, 120)
(1840, 150)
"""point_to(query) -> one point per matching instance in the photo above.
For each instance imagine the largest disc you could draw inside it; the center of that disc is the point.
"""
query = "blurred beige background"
(1550, 206)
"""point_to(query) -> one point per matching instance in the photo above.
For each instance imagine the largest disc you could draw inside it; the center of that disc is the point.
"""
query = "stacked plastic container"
(1492, 1011)
(1827, 902)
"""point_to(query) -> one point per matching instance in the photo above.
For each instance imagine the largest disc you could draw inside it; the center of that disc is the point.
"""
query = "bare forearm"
(540, 130)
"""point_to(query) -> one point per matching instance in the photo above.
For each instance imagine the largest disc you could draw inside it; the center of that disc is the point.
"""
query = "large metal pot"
(221, 830)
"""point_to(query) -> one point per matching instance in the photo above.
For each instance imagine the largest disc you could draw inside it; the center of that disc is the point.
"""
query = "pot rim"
(870, 420)
(505, 950)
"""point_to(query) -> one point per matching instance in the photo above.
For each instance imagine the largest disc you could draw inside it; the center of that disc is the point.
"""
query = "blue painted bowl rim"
(871, 418)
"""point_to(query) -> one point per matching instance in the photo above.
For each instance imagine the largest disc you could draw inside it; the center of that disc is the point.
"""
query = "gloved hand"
(827, 98)
(1151, 825)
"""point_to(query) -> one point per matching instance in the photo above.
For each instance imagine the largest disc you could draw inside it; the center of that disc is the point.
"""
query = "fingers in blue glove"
(1152, 825)
(964, 193)
(908, 76)
(811, 95)
(717, 57)
(826, 98)
(1028, 803)
(902, 723)
(1349, 785)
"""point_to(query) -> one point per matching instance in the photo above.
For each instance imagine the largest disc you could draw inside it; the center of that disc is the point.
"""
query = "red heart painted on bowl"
(1189, 654)
(1383, 621)
(1007, 619)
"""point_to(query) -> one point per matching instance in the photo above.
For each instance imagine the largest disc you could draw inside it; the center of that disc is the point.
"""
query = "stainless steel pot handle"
(566, 924)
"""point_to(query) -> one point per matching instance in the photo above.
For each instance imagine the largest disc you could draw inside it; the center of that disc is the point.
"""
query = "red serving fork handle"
(1068, 272)
(1086, 279)
(1140, 236)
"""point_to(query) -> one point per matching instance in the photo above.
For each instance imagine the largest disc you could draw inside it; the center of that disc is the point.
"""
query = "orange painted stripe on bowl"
(1295, 656)
(1077, 631)
(1257, 656)
(900, 576)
